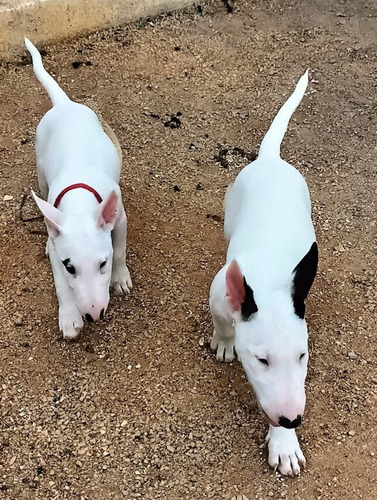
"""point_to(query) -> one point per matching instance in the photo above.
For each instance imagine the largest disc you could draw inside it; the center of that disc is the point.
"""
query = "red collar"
(75, 186)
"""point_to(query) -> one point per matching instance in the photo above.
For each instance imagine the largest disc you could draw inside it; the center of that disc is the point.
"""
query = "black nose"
(102, 314)
(89, 318)
(290, 424)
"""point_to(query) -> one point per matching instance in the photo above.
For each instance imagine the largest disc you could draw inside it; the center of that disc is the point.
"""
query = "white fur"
(269, 228)
(71, 147)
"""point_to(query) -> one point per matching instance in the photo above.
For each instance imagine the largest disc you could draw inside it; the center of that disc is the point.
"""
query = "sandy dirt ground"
(138, 407)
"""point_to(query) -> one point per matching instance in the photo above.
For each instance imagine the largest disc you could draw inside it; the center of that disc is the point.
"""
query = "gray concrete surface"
(52, 20)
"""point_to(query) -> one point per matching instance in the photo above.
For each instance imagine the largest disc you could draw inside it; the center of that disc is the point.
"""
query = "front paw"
(284, 452)
(224, 348)
(70, 321)
(121, 280)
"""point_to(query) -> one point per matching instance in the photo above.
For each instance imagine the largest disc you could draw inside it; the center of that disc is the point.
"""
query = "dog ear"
(107, 212)
(53, 216)
(304, 274)
(239, 295)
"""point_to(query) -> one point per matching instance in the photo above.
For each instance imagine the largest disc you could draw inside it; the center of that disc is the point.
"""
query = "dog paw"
(284, 452)
(121, 280)
(224, 348)
(70, 321)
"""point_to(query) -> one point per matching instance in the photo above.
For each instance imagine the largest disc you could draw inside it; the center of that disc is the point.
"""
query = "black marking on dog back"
(304, 275)
(290, 424)
(248, 306)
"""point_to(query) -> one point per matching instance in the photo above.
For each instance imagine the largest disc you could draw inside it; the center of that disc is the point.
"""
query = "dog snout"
(89, 318)
(290, 424)
(95, 315)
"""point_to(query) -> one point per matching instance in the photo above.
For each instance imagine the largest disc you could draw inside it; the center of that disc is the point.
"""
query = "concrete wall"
(52, 20)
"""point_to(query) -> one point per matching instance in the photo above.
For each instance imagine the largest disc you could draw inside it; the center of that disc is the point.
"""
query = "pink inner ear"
(109, 212)
(53, 216)
(235, 288)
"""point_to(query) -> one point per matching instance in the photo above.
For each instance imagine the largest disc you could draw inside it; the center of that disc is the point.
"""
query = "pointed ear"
(239, 295)
(304, 274)
(53, 216)
(107, 212)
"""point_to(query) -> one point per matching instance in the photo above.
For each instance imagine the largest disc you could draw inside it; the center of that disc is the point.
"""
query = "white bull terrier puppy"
(257, 299)
(78, 173)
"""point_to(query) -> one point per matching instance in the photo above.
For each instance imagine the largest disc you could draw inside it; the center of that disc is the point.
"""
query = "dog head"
(83, 246)
(272, 340)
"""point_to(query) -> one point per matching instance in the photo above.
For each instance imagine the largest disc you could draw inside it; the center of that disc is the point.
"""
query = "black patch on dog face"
(248, 306)
(304, 274)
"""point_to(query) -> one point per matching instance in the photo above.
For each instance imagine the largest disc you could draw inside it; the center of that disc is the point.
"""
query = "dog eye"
(103, 264)
(69, 267)
(263, 361)
(302, 356)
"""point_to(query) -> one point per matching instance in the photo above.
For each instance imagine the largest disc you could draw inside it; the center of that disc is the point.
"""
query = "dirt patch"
(138, 407)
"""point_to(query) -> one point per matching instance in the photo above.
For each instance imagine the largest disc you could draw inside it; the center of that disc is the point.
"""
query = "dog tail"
(272, 140)
(54, 91)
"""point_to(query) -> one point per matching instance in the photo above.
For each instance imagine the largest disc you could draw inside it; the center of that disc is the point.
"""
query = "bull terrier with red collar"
(257, 299)
(78, 169)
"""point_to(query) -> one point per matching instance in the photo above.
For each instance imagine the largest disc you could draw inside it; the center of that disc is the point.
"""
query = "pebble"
(8, 197)
(18, 321)
(352, 355)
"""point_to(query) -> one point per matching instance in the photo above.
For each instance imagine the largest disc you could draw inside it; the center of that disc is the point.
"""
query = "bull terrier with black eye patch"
(257, 299)
(78, 169)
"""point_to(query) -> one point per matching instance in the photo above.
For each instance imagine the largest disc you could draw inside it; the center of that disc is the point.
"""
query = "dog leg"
(284, 452)
(120, 275)
(70, 319)
(42, 182)
(43, 188)
(223, 336)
